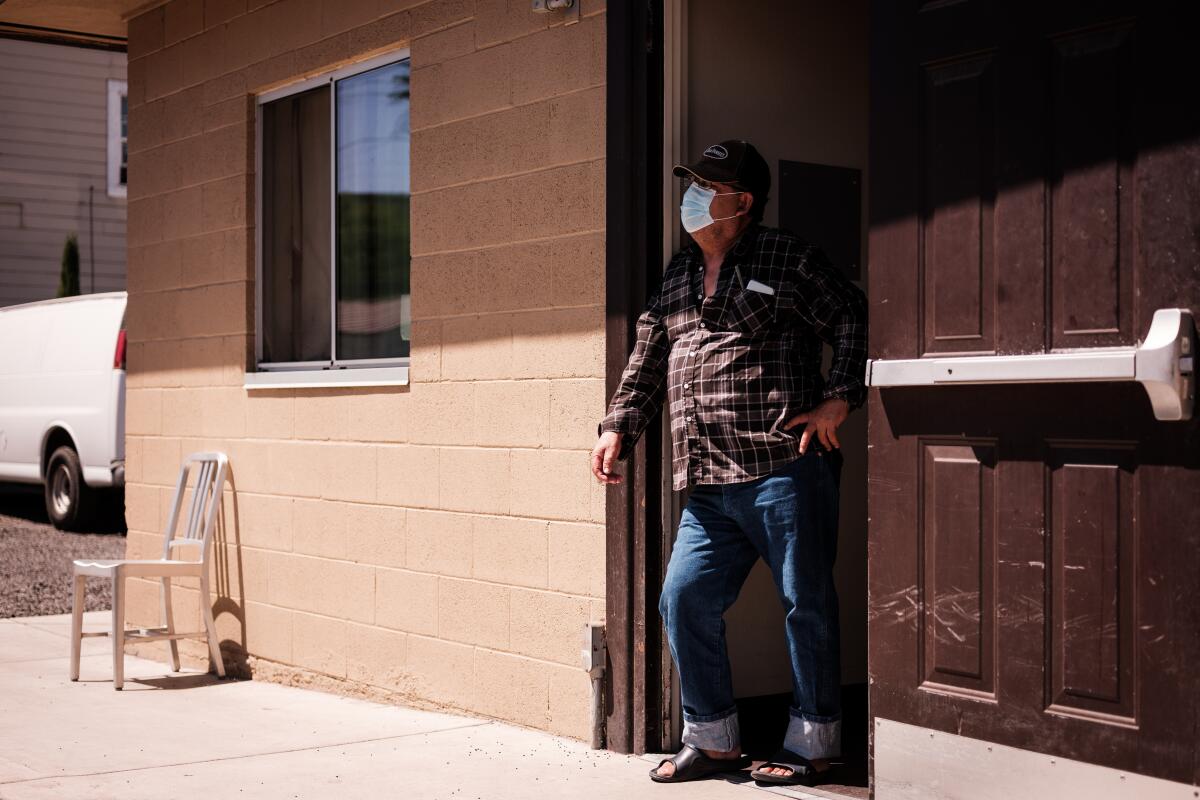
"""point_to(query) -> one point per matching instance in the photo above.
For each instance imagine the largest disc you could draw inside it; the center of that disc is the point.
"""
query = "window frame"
(338, 372)
(117, 89)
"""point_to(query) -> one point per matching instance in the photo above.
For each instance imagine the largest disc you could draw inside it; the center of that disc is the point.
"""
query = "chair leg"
(79, 594)
(118, 629)
(214, 645)
(169, 622)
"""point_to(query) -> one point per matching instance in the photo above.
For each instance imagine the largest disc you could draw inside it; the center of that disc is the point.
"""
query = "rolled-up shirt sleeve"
(836, 310)
(640, 393)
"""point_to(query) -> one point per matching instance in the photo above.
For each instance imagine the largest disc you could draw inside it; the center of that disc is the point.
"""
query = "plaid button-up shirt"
(739, 364)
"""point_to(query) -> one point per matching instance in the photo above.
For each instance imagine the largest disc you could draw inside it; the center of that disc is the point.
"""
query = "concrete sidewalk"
(190, 735)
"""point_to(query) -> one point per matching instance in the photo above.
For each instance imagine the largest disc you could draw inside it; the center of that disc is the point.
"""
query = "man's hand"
(823, 421)
(608, 446)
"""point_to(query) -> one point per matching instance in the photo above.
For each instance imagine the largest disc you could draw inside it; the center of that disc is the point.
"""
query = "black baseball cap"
(731, 161)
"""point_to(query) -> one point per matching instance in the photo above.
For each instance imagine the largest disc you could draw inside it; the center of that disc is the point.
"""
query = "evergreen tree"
(68, 278)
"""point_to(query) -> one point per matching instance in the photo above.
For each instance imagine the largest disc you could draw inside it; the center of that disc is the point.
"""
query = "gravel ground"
(35, 557)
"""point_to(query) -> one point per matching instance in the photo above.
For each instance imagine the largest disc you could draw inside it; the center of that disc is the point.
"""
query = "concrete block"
(570, 702)
(183, 411)
(442, 672)
(558, 60)
(223, 413)
(577, 558)
(201, 56)
(512, 413)
(551, 484)
(464, 87)
(375, 534)
(475, 479)
(578, 276)
(559, 343)
(319, 527)
(183, 113)
(377, 656)
(319, 643)
(519, 276)
(474, 612)
(408, 475)
(443, 45)
(161, 460)
(351, 472)
(225, 203)
(552, 202)
(576, 405)
(377, 415)
(184, 18)
(219, 11)
(163, 73)
(147, 31)
(227, 152)
(462, 217)
(298, 469)
(498, 21)
(271, 414)
(326, 586)
(512, 688)
(347, 14)
(510, 550)
(477, 347)
(438, 542)
(548, 625)
(406, 601)
(446, 283)
(141, 509)
(425, 361)
(440, 413)
(321, 414)
(265, 521)
(143, 412)
(269, 631)
(181, 213)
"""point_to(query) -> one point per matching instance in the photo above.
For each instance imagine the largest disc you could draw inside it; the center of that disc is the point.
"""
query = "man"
(734, 335)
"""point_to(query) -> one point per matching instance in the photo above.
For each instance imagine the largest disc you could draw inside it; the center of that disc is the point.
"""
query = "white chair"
(195, 541)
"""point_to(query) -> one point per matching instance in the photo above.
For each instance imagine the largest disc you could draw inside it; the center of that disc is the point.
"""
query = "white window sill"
(325, 378)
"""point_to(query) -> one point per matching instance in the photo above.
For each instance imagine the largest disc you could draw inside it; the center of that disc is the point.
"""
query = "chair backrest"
(201, 514)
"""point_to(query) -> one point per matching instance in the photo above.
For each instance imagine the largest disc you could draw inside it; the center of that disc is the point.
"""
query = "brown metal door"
(1034, 570)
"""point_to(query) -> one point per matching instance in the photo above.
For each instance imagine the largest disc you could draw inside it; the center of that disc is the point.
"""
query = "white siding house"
(61, 167)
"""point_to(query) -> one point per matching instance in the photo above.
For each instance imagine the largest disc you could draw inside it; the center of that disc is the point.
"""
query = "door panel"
(1034, 549)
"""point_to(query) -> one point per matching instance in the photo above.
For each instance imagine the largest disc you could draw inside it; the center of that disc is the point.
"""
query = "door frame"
(637, 705)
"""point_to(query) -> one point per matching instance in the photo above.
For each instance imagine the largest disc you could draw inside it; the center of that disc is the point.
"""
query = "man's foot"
(819, 764)
(668, 768)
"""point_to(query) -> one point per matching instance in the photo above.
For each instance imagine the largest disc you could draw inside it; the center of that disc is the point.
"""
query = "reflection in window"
(373, 316)
(334, 206)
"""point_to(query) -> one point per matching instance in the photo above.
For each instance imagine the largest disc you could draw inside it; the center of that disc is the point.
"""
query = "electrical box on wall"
(823, 204)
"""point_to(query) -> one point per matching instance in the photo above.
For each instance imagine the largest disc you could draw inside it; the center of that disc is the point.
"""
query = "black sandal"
(691, 764)
(803, 771)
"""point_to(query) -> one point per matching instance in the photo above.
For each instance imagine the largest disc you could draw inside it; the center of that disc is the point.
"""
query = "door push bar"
(1164, 364)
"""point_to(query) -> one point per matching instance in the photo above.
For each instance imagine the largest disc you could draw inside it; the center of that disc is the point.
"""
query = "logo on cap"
(716, 151)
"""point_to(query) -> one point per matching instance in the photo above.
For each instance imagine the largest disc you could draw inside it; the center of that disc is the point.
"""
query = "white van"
(62, 401)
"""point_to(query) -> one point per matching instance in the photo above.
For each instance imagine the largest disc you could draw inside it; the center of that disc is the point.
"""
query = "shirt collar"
(740, 247)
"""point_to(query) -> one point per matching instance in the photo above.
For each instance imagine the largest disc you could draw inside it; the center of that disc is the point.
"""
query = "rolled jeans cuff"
(813, 737)
(715, 732)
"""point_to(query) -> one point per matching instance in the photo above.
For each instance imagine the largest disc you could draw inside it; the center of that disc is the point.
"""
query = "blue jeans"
(789, 518)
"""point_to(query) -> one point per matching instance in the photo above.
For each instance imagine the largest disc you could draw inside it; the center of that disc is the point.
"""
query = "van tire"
(69, 501)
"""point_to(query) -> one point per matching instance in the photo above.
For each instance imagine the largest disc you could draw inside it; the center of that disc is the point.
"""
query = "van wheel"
(69, 501)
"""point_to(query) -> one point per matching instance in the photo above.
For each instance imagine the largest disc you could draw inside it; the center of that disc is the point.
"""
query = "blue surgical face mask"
(693, 211)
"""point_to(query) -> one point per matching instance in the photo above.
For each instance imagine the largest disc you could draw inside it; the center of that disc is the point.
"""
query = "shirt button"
(699, 297)
(686, 385)
(701, 324)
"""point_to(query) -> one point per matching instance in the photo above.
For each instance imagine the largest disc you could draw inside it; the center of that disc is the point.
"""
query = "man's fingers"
(796, 420)
(833, 436)
(804, 437)
(608, 459)
(824, 437)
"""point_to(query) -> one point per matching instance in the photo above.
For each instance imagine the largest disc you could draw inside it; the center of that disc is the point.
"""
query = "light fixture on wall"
(546, 6)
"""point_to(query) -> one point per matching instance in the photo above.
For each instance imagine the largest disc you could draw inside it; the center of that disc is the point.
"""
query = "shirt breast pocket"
(750, 312)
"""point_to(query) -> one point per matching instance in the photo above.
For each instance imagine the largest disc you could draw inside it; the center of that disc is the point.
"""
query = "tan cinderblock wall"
(442, 541)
